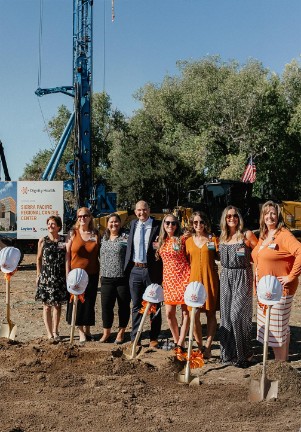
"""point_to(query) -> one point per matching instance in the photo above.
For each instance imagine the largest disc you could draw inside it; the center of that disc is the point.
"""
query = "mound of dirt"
(289, 379)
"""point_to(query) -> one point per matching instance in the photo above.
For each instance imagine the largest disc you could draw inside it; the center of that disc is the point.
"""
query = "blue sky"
(142, 45)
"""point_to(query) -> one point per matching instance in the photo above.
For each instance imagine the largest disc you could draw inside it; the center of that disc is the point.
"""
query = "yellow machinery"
(182, 213)
(291, 212)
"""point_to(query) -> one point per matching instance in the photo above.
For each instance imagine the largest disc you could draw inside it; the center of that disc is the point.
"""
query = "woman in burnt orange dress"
(277, 253)
(176, 272)
(82, 251)
(201, 249)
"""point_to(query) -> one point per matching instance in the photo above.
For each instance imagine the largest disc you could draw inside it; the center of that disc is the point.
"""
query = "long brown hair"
(106, 235)
(264, 209)
(225, 232)
(204, 217)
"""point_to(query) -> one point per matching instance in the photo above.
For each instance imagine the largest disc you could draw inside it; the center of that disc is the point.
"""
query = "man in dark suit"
(142, 267)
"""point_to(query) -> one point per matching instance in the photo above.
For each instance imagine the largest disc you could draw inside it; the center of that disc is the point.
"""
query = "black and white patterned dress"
(52, 288)
(236, 303)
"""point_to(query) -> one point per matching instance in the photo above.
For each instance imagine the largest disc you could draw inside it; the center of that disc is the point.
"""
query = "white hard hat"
(269, 290)
(153, 293)
(195, 294)
(77, 281)
(9, 259)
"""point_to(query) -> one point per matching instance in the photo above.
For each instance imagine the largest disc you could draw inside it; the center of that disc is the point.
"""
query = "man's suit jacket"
(155, 268)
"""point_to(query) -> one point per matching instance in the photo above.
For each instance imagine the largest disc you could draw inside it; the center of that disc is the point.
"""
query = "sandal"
(90, 337)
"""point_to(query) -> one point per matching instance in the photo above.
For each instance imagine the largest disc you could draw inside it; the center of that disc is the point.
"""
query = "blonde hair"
(264, 209)
(163, 234)
(225, 232)
(91, 225)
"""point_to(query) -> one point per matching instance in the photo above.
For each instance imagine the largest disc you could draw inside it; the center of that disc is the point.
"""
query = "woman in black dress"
(51, 276)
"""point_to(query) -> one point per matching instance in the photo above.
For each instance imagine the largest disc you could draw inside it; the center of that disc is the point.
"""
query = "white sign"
(36, 201)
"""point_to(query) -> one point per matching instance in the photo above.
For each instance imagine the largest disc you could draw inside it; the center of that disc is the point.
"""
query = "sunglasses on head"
(173, 223)
(198, 223)
(82, 216)
(230, 216)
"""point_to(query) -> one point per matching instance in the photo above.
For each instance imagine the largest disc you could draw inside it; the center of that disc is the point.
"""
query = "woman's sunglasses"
(235, 215)
(198, 223)
(82, 216)
(173, 223)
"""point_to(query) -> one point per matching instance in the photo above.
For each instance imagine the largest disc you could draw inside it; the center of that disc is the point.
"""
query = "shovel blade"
(8, 331)
(131, 352)
(263, 390)
(190, 380)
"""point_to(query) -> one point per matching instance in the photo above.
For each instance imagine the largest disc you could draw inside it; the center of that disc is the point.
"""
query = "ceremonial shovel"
(185, 376)
(73, 319)
(131, 353)
(152, 295)
(265, 388)
(8, 329)
(269, 292)
(194, 296)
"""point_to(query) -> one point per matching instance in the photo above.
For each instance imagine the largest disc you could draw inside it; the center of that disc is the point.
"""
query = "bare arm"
(39, 258)
(251, 239)
(68, 252)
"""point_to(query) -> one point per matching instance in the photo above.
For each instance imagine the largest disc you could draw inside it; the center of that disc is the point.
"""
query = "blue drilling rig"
(86, 192)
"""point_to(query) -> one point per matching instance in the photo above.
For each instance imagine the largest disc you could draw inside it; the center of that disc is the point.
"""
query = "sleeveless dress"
(236, 303)
(176, 270)
(84, 255)
(51, 288)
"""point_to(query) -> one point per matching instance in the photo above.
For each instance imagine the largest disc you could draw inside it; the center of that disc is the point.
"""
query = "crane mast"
(86, 192)
(82, 78)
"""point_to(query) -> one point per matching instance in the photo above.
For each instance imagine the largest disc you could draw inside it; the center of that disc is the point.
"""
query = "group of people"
(159, 252)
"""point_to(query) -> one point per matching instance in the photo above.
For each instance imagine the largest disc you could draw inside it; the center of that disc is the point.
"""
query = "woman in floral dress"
(51, 276)
(176, 272)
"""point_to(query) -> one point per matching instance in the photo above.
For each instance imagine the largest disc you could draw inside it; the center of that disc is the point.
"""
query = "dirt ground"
(93, 388)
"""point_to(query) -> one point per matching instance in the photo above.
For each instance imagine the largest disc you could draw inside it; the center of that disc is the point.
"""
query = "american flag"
(249, 175)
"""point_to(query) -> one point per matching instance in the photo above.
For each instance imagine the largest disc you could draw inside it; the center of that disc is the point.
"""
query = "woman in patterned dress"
(236, 289)
(176, 272)
(114, 284)
(201, 249)
(82, 251)
(51, 276)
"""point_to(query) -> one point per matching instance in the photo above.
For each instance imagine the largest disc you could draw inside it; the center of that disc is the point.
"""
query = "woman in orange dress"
(201, 250)
(277, 253)
(176, 272)
(82, 251)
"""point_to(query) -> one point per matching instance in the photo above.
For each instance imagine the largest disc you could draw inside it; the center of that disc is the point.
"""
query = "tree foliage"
(201, 124)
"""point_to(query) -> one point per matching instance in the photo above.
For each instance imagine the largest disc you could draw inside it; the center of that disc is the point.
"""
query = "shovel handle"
(8, 300)
(74, 311)
(190, 342)
(140, 328)
(266, 336)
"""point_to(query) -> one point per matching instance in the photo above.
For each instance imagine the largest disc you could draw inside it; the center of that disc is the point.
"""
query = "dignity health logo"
(24, 190)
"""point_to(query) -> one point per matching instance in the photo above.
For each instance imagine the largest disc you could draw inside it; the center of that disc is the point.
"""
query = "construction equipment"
(87, 192)
(4, 164)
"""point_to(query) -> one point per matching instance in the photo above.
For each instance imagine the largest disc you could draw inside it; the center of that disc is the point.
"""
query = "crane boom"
(4, 164)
